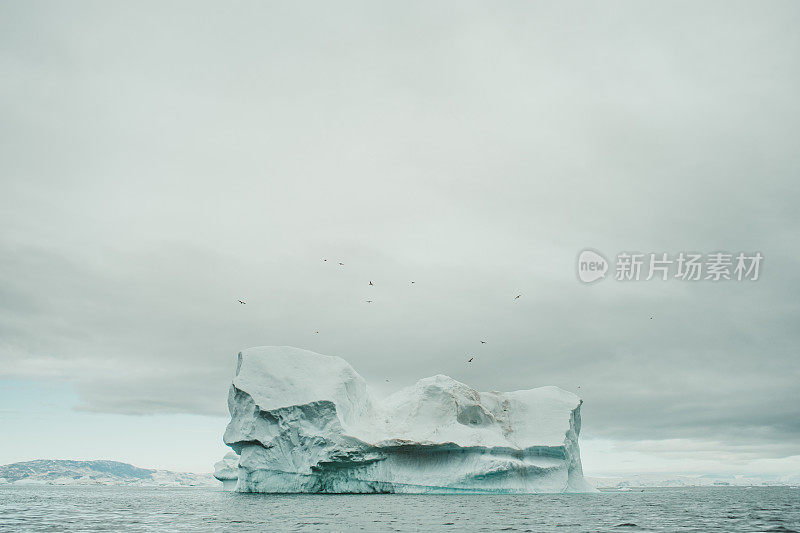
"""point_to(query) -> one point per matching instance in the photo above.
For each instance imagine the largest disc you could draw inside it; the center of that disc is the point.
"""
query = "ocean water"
(728, 509)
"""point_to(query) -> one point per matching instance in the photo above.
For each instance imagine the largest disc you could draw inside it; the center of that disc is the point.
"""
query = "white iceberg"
(227, 470)
(305, 422)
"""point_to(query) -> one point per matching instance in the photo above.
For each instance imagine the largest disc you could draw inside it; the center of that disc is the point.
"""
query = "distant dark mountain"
(62, 472)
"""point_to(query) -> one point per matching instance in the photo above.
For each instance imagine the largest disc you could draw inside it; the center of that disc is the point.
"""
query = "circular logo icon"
(591, 266)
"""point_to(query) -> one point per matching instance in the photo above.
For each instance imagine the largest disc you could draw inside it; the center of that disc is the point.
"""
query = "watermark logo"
(591, 266)
(683, 266)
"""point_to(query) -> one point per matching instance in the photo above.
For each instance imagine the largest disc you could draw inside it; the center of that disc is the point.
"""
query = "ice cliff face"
(305, 422)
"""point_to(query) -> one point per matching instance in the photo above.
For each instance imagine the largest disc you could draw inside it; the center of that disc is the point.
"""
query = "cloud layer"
(158, 164)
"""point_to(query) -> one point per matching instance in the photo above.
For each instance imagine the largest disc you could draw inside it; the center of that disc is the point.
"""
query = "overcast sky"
(159, 161)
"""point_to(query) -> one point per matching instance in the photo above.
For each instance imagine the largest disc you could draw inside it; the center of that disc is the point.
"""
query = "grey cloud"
(158, 164)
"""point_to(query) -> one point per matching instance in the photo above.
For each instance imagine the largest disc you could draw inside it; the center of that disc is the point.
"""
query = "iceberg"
(303, 422)
(227, 471)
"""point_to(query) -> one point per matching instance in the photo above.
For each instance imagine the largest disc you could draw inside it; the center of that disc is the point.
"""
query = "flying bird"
(517, 296)
(483, 342)
(241, 302)
(325, 260)
(316, 332)
(370, 284)
(470, 359)
(412, 282)
(369, 301)
(341, 264)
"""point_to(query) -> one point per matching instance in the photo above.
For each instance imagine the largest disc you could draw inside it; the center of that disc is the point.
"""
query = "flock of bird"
(371, 284)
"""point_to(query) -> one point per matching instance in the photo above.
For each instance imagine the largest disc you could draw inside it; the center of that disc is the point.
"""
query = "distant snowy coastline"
(667, 480)
(65, 472)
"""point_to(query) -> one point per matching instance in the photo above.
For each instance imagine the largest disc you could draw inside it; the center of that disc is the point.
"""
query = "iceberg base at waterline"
(303, 422)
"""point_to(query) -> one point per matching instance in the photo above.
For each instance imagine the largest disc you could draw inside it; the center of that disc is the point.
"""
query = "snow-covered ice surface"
(305, 422)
